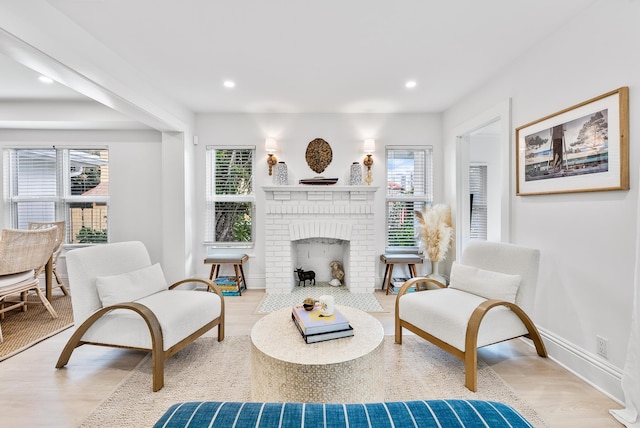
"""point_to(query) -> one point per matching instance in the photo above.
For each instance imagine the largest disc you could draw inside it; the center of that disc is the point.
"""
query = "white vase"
(435, 273)
(355, 177)
(281, 176)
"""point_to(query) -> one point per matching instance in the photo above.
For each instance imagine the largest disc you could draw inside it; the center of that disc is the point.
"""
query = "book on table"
(321, 337)
(313, 322)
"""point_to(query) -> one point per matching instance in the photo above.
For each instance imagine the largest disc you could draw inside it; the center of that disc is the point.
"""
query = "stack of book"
(397, 283)
(315, 327)
(229, 285)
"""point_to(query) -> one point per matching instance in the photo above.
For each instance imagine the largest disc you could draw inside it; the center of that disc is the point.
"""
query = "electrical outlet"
(601, 346)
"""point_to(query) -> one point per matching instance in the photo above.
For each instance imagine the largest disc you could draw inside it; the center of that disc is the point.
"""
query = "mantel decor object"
(319, 181)
(282, 174)
(355, 177)
(318, 155)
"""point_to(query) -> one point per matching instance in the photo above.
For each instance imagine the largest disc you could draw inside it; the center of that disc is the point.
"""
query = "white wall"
(586, 240)
(344, 132)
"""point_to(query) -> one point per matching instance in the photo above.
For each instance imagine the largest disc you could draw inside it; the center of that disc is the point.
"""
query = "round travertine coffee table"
(347, 370)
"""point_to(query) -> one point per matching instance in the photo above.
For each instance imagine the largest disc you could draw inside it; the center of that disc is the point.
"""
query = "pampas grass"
(435, 232)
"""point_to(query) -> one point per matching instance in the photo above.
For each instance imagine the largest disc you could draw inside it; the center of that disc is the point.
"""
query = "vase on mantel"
(355, 177)
(281, 176)
(435, 273)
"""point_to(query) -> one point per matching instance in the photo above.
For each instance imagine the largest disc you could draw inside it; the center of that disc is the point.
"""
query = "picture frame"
(583, 148)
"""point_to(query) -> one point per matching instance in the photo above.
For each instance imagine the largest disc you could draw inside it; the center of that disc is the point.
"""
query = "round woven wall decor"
(318, 155)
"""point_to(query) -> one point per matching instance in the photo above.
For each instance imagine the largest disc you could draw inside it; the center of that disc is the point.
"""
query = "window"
(478, 202)
(230, 197)
(60, 184)
(409, 177)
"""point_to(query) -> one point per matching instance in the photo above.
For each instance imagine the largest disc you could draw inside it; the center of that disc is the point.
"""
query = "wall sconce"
(369, 148)
(270, 147)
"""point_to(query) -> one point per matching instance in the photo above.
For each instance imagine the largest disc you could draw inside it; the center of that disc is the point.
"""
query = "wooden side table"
(390, 260)
(237, 260)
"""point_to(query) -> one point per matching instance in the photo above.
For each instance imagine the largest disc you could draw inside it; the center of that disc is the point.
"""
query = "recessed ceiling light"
(45, 79)
(229, 84)
(410, 84)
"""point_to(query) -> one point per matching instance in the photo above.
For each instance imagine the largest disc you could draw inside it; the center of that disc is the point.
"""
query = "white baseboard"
(591, 368)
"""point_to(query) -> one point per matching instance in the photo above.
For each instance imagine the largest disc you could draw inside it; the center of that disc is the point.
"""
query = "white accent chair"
(121, 300)
(23, 254)
(484, 303)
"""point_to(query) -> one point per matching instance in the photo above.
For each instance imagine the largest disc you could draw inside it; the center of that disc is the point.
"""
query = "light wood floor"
(35, 394)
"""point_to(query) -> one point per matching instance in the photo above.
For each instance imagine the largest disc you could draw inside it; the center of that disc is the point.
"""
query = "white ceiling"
(301, 56)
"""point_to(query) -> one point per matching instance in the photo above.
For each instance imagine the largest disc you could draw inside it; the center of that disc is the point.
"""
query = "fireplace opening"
(316, 254)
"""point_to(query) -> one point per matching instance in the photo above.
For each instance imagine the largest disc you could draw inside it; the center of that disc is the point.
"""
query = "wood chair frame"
(158, 354)
(470, 354)
(60, 239)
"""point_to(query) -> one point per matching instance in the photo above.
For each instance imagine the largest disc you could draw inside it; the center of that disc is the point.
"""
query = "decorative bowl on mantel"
(319, 181)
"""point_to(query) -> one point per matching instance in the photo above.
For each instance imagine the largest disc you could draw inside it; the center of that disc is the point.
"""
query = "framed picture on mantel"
(583, 148)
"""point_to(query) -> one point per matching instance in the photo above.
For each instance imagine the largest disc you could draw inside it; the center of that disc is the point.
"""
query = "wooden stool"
(393, 259)
(236, 260)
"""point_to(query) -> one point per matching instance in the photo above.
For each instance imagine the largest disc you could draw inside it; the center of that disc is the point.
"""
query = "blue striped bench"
(400, 414)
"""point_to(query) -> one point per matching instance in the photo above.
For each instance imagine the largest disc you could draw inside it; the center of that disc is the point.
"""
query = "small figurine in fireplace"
(303, 276)
(337, 272)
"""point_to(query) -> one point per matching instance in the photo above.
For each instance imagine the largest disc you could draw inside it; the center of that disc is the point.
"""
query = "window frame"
(62, 199)
(426, 199)
(211, 198)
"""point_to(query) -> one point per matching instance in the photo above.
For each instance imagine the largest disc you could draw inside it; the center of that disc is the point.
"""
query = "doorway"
(483, 147)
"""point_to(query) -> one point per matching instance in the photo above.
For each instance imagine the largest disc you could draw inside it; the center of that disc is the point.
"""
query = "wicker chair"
(60, 238)
(23, 254)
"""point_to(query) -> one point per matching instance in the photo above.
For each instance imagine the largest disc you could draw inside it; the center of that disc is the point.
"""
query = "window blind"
(478, 201)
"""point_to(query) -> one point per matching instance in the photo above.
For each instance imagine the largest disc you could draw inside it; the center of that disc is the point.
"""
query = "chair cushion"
(15, 278)
(130, 286)
(179, 312)
(484, 283)
(432, 311)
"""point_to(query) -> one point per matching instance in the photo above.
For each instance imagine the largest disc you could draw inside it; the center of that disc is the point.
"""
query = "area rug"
(364, 301)
(221, 371)
(21, 330)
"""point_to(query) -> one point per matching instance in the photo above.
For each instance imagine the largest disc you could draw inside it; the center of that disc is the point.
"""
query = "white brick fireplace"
(304, 213)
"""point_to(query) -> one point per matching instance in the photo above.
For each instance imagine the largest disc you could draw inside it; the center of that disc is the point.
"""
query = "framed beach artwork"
(584, 148)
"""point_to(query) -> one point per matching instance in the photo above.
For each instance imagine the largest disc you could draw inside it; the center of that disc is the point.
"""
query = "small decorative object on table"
(327, 305)
(308, 304)
(303, 276)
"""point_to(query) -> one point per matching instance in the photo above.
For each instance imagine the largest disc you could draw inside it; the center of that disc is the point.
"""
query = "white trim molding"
(589, 367)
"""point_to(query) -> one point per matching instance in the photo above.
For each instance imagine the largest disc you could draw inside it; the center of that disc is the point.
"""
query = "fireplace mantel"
(322, 188)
